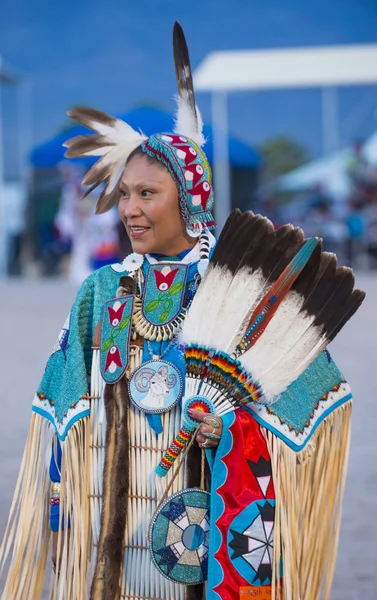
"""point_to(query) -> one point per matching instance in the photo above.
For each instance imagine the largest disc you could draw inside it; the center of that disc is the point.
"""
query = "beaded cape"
(241, 469)
(63, 396)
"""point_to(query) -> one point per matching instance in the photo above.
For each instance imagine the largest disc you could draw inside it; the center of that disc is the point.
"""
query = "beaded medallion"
(160, 312)
(155, 386)
(179, 537)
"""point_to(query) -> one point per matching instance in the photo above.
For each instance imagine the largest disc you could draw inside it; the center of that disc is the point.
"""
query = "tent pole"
(3, 228)
(330, 120)
(221, 156)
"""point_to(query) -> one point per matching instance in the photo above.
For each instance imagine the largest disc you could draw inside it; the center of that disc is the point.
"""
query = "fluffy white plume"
(292, 365)
(280, 335)
(114, 141)
(186, 122)
(246, 289)
(202, 317)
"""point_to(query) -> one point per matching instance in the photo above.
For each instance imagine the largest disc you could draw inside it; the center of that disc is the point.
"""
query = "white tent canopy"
(287, 68)
(326, 67)
(329, 171)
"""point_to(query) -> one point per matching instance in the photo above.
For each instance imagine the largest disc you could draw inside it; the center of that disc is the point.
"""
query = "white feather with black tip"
(202, 316)
(186, 122)
(291, 365)
(281, 333)
(243, 295)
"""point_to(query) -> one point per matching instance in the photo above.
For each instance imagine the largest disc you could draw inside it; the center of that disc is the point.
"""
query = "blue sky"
(116, 54)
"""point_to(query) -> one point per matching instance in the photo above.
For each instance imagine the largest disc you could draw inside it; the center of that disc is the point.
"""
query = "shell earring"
(194, 230)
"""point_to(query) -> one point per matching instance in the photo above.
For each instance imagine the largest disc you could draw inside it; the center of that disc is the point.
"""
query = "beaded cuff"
(55, 494)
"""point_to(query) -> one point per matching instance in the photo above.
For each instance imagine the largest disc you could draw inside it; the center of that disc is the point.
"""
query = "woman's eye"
(123, 193)
(146, 193)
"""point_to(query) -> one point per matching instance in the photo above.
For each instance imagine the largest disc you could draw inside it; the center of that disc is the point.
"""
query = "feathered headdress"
(179, 150)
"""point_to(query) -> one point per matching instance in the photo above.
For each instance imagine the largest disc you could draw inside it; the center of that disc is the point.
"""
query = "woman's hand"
(210, 430)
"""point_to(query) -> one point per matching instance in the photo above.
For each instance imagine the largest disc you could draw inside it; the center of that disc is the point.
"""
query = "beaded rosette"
(155, 386)
(179, 537)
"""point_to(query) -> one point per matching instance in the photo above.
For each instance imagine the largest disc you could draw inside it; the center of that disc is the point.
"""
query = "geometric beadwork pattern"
(250, 542)
(178, 537)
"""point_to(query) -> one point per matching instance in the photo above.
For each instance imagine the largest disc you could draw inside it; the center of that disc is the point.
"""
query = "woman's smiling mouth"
(137, 231)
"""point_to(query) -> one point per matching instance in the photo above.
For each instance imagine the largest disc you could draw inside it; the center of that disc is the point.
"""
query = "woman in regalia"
(109, 406)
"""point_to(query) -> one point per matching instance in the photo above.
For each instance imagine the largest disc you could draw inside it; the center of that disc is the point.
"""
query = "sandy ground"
(32, 313)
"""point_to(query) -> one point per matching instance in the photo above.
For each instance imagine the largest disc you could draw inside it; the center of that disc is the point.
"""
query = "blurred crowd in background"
(285, 155)
(347, 222)
(69, 239)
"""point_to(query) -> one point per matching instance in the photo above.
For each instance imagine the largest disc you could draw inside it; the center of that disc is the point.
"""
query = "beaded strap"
(178, 444)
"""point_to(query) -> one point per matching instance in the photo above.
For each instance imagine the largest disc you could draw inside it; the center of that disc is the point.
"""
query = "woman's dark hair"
(151, 159)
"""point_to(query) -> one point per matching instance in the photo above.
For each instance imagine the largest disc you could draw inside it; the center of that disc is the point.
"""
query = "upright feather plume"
(188, 120)
(114, 141)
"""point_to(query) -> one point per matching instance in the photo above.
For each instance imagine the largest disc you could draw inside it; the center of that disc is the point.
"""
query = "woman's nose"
(132, 207)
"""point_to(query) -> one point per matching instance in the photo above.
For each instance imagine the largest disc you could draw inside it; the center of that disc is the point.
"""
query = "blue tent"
(149, 120)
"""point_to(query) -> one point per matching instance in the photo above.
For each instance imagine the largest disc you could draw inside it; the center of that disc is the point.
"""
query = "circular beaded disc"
(197, 403)
(155, 386)
(179, 537)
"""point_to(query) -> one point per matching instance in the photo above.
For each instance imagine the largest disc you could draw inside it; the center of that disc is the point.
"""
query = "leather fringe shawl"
(310, 488)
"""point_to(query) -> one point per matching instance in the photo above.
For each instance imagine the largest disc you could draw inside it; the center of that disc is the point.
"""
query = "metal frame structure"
(11, 76)
(326, 67)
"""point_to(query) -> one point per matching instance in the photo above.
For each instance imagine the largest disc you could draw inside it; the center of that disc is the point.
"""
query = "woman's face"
(149, 209)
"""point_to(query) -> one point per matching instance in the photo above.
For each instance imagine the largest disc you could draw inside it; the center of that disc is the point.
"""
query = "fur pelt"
(105, 584)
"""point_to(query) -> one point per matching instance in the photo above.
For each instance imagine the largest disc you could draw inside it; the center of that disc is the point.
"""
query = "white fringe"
(139, 578)
(309, 493)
